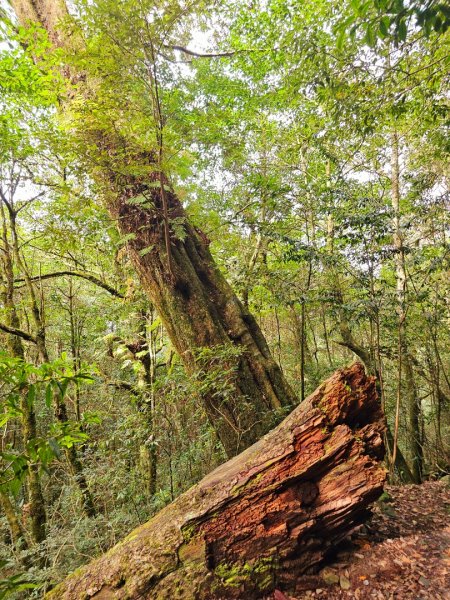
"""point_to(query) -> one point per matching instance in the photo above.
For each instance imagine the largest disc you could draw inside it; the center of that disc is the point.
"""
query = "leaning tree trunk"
(196, 304)
(263, 518)
(200, 310)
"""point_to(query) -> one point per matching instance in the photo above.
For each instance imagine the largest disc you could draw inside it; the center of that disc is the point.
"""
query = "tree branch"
(6, 202)
(87, 276)
(18, 332)
(360, 352)
(200, 54)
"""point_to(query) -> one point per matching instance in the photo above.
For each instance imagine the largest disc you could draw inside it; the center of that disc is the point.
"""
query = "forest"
(224, 299)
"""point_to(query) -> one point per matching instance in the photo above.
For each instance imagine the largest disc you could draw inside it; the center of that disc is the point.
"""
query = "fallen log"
(263, 518)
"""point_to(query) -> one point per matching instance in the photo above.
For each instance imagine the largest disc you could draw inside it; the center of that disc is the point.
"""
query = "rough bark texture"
(49, 13)
(264, 517)
(200, 310)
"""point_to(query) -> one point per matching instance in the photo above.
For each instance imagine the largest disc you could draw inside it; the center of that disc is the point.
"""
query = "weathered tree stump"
(263, 518)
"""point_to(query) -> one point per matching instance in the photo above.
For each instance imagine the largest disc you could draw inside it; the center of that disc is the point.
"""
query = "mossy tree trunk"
(18, 538)
(143, 349)
(263, 518)
(12, 253)
(37, 514)
(200, 310)
(196, 304)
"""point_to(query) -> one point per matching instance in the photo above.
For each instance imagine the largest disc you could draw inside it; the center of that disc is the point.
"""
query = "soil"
(402, 553)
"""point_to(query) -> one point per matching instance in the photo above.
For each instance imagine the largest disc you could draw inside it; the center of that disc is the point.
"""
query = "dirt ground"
(402, 553)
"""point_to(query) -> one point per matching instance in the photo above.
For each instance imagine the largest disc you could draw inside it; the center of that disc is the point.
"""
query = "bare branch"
(199, 54)
(87, 276)
(27, 202)
(6, 202)
(18, 332)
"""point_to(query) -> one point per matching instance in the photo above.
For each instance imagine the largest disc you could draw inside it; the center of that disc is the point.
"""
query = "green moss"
(188, 531)
(257, 574)
(232, 575)
(264, 572)
(238, 488)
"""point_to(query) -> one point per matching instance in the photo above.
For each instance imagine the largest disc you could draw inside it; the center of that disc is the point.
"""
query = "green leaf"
(363, 7)
(341, 39)
(156, 323)
(54, 447)
(91, 418)
(370, 37)
(384, 26)
(63, 385)
(31, 395)
(141, 200)
(402, 30)
(146, 250)
(127, 238)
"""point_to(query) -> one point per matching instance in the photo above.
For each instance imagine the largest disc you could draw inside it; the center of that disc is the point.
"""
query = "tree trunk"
(403, 471)
(263, 518)
(18, 538)
(75, 464)
(405, 364)
(36, 501)
(196, 304)
(200, 310)
(301, 343)
(60, 409)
